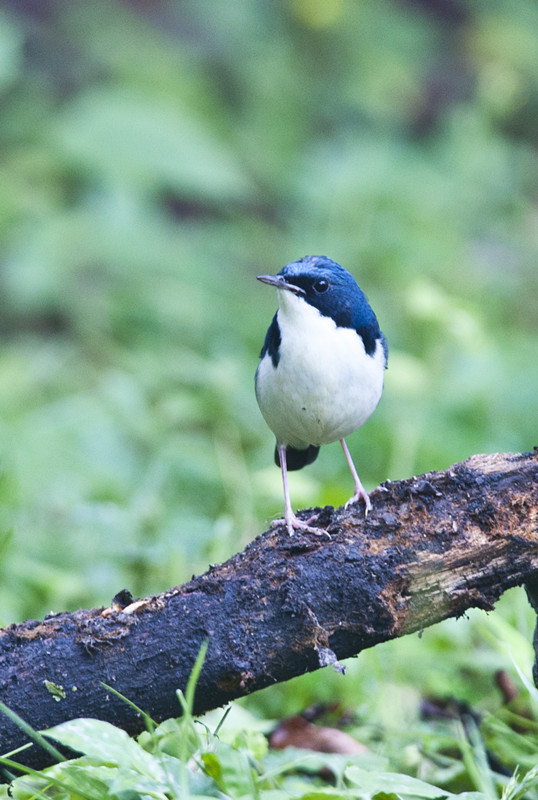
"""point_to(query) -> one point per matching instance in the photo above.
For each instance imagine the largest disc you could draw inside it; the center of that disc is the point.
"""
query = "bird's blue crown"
(314, 265)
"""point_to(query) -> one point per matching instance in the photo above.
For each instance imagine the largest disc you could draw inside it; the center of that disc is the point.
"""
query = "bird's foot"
(360, 492)
(293, 524)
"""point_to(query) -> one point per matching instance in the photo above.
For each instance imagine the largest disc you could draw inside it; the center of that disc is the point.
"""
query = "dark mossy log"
(433, 547)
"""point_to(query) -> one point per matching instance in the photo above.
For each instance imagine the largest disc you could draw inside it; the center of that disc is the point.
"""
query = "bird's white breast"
(325, 385)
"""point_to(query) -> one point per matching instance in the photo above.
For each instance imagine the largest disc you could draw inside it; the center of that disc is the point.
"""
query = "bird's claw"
(362, 493)
(294, 524)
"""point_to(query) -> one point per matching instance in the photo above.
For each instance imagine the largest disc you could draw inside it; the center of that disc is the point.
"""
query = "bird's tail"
(297, 459)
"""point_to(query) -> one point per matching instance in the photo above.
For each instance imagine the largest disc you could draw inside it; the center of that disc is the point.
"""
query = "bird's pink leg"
(360, 491)
(291, 521)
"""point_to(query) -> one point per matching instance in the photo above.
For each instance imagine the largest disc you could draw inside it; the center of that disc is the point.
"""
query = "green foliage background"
(156, 157)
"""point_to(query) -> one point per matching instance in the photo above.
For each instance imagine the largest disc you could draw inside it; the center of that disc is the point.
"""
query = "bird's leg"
(360, 491)
(291, 521)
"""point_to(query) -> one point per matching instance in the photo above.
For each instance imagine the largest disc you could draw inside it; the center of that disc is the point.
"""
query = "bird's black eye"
(321, 285)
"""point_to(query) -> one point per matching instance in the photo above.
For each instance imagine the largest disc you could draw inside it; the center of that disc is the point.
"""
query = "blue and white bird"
(322, 368)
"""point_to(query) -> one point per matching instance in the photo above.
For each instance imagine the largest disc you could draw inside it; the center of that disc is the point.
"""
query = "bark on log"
(433, 547)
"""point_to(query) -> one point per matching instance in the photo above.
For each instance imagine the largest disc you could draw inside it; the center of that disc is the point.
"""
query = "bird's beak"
(279, 282)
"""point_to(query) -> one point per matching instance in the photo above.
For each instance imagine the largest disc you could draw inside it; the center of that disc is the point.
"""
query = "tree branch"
(432, 547)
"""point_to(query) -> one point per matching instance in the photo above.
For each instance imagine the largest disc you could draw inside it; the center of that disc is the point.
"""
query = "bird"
(321, 369)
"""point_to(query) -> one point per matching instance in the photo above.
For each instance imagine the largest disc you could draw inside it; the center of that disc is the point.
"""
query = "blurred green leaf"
(133, 140)
(375, 783)
(104, 742)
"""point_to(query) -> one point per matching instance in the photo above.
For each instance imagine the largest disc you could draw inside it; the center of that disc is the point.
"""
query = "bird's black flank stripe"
(272, 341)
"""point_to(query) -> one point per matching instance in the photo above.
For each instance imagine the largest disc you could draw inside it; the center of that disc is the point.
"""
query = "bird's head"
(324, 284)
